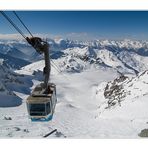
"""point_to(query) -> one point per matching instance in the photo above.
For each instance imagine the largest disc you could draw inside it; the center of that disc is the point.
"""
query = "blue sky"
(82, 24)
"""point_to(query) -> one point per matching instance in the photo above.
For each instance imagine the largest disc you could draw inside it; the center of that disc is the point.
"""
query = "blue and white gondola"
(41, 106)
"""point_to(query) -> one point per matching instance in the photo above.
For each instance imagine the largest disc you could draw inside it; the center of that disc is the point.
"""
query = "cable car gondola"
(41, 103)
(41, 106)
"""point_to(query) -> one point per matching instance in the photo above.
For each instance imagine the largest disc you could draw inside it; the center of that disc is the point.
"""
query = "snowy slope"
(10, 49)
(11, 82)
(7, 97)
(78, 113)
(13, 62)
(125, 98)
(124, 89)
(94, 99)
(74, 115)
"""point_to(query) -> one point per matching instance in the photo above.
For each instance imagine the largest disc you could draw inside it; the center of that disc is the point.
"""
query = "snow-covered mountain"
(13, 48)
(123, 88)
(10, 52)
(125, 98)
(78, 59)
(101, 88)
(13, 62)
(125, 56)
(8, 79)
(11, 82)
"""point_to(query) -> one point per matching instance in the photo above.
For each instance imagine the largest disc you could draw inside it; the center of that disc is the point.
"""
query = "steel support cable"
(17, 28)
(58, 69)
(13, 24)
(56, 65)
(22, 23)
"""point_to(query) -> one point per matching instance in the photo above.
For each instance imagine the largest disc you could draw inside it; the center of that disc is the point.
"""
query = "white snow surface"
(81, 108)
(77, 113)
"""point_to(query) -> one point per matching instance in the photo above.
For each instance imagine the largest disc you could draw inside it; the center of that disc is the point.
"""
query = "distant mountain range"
(125, 57)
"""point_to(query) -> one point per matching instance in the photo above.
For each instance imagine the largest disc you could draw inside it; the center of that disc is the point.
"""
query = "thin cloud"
(79, 36)
(82, 36)
(10, 37)
(19, 37)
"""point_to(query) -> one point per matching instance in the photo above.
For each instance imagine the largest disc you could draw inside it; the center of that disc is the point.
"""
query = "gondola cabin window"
(48, 108)
(37, 109)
